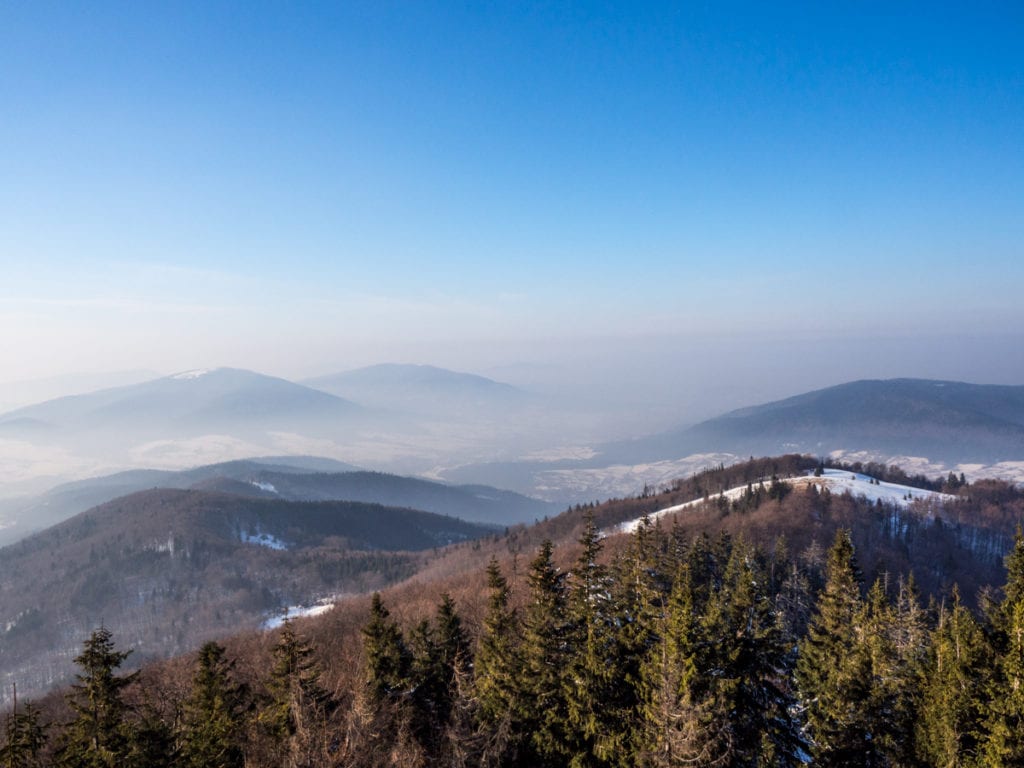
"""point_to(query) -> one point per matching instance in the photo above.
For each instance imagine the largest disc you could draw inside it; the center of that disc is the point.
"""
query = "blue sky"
(301, 187)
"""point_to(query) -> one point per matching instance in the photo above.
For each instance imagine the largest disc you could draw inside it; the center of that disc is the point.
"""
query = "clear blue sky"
(294, 186)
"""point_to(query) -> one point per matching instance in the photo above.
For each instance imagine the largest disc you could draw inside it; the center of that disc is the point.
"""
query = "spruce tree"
(213, 719)
(24, 736)
(596, 695)
(440, 657)
(98, 737)
(949, 723)
(682, 724)
(639, 594)
(747, 656)
(454, 654)
(497, 682)
(833, 671)
(297, 711)
(387, 658)
(544, 661)
(1004, 744)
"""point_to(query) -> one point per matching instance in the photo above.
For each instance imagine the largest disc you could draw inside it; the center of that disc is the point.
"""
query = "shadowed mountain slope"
(167, 569)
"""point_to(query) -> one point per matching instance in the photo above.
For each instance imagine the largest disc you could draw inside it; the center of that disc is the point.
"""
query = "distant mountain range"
(186, 404)
(949, 424)
(408, 419)
(421, 389)
(289, 478)
(166, 569)
(470, 430)
(945, 421)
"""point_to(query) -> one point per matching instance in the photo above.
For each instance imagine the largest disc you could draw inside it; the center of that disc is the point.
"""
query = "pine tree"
(1004, 745)
(297, 711)
(833, 671)
(497, 682)
(213, 721)
(440, 655)
(639, 596)
(98, 737)
(387, 657)
(24, 736)
(746, 652)
(544, 658)
(595, 693)
(151, 741)
(454, 654)
(682, 725)
(950, 717)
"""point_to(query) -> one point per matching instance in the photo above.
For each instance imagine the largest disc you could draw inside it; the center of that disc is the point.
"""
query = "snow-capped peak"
(186, 375)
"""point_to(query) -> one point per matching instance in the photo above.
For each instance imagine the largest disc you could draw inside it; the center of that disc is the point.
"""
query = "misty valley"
(853, 596)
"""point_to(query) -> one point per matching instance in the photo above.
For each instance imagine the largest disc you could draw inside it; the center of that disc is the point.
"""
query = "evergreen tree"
(24, 737)
(297, 711)
(682, 725)
(950, 717)
(496, 676)
(440, 657)
(213, 719)
(98, 737)
(544, 659)
(454, 654)
(833, 671)
(595, 694)
(151, 741)
(1004, 744)
(387, 657)
(747, 659)
(639, 595)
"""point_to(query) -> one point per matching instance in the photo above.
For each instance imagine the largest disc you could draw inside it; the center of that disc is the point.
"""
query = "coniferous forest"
(677, 651)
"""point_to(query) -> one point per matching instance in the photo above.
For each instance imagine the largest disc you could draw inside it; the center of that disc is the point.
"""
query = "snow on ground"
(299, 612)
(836, 480)
(186, 375)
(263, 540)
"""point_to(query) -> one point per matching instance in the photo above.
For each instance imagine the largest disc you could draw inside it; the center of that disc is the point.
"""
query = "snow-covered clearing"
(263, 540)
(836, 480)
(299, 612)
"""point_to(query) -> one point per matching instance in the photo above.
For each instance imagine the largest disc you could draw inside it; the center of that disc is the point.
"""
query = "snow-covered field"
(837, 481)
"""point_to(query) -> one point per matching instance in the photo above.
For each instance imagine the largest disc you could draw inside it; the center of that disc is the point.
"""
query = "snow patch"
(299, 612)
(188, 375)
(835, 480)
(263, 540)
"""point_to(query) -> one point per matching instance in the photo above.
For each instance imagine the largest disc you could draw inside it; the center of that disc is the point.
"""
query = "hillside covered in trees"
(775, 629)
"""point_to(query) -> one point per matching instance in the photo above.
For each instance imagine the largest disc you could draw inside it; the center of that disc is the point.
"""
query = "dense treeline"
(680, 650)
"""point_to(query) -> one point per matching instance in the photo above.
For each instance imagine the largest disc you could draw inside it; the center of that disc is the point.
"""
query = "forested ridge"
(673, 646)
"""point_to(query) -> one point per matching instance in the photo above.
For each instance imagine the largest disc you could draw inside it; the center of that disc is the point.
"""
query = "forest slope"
(166, 569)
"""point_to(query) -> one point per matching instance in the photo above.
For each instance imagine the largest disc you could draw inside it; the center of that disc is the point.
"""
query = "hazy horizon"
(303, 190)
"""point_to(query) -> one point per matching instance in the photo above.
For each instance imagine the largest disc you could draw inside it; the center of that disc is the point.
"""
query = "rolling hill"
(170, 568)
(945, 421)
(289, 478)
